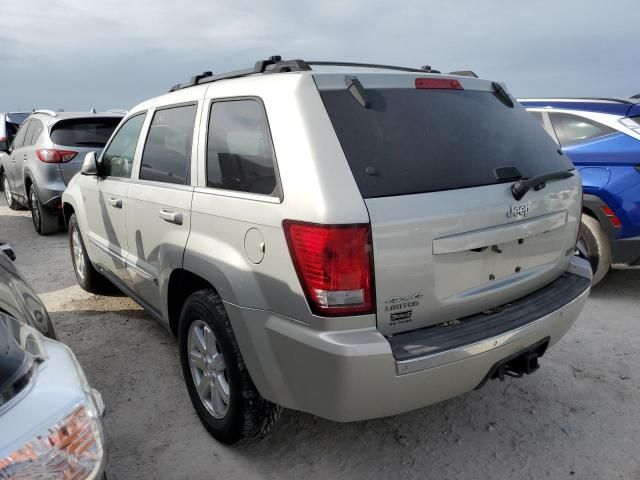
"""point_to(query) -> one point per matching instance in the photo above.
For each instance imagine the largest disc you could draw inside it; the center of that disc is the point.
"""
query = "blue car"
(602, 139)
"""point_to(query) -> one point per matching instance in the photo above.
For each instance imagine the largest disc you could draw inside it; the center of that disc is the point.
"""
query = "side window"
(239, 150)
(167, 152)
(117, 159)
(573, 129)
(34, 132)
(29, 134)
(18, 141)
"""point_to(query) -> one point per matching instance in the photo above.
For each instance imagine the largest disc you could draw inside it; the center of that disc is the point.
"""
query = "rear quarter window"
(417, 141)
(574, 129)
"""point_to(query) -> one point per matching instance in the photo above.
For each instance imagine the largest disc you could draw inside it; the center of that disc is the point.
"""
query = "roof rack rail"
(208, 77)
(275, 64)
(46, 112)
(118, 110)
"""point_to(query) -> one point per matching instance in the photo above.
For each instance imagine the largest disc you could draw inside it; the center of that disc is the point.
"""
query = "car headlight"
(71, 448)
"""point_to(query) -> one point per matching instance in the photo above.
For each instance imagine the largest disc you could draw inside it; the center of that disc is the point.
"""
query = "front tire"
(597, 247)
(87, 276)
(11, 202)
(221, 390)
(44, 222)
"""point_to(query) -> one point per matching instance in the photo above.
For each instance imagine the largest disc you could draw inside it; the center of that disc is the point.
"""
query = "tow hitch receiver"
(525, 363)
(518, 364)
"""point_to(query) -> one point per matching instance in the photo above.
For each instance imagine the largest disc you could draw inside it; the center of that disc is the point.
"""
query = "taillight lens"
(438, 83)
(52, 155)
(334, 265)
(615, 221)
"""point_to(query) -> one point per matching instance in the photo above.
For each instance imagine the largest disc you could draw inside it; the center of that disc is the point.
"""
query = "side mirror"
(90, 165)
(4, 145)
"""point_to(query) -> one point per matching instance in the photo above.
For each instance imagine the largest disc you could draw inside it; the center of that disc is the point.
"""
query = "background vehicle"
(49, 415)
(602, 139)
(391, 257)
(45, 153)
(9, 124)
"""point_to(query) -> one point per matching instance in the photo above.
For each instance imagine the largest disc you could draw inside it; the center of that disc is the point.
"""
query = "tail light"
(615, 221)
(52, 155)
(438, 83)
(334, 265)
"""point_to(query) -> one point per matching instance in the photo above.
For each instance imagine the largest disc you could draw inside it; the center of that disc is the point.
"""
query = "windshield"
(416, 141)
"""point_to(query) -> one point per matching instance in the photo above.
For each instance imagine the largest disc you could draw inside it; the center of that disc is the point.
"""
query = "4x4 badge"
(519, 210)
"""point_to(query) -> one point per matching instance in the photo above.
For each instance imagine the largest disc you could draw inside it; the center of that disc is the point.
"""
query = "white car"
(49, 415)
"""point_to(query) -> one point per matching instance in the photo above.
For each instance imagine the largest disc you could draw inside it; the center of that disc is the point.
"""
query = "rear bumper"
(353, 375)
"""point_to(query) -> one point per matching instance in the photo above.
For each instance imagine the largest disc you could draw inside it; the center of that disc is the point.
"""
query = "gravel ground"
(577, 417)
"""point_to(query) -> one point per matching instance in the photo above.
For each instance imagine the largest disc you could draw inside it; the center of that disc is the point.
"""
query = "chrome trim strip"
(430, 361)
(143, 273)
(237, 194)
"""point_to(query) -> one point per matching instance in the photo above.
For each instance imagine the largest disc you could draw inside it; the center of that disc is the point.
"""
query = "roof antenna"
(93, 110)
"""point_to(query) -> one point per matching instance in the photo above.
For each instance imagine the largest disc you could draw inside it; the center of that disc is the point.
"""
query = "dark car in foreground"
(49, 415)
(601, 136)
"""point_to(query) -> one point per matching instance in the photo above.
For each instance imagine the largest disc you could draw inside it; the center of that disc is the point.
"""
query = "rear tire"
(597, 246)
(44, 222)
(228, 405)
(11, 202)
(87, 276)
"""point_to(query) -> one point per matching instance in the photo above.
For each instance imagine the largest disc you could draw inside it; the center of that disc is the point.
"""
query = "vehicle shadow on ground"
(622, 284)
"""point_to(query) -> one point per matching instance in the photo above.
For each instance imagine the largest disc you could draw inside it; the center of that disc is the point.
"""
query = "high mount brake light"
(615, 221)
(438, 83)
(334, 265)
(52, 155)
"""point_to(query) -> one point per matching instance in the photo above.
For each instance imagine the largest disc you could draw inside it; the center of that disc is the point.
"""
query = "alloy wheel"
(7, 190)
(78, 255)
(208, 369)
(35, 208)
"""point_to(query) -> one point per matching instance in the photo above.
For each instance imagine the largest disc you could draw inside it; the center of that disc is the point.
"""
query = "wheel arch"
(182, 283)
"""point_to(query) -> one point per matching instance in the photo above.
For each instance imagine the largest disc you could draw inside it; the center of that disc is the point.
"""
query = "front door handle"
(115, 202)
(170, 216)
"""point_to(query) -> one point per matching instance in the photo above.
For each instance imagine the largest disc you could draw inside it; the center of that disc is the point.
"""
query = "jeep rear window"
(84, 132)
(417, 141)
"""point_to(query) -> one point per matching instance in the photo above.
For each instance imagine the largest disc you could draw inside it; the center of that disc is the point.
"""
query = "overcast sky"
(79, 54)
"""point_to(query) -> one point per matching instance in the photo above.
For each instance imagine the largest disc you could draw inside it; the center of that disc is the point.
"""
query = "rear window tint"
(83, 132)
(416, 141)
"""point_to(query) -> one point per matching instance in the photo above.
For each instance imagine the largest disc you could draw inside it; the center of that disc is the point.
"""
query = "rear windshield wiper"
(521, 187)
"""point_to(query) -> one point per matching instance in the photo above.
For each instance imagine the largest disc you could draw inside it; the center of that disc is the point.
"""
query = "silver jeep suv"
(353, 241)
(46, 152)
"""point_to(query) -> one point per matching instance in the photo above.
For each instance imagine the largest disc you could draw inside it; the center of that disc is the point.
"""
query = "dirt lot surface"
(577, 417)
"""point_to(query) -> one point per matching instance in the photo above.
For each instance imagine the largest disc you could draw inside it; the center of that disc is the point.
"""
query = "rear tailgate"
(81, 135)
(449, 239)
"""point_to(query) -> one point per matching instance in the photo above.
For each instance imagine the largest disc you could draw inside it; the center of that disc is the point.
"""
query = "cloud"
(75, 54)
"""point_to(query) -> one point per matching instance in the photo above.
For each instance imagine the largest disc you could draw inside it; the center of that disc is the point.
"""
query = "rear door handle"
(170, 216)
(115, 202)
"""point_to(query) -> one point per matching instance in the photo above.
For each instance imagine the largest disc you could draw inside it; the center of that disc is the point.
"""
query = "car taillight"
(438, 83)
(615, 221)
(52, 155)
(334, 265)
